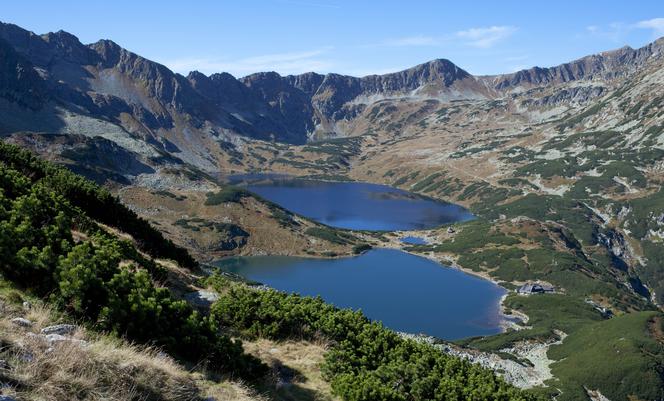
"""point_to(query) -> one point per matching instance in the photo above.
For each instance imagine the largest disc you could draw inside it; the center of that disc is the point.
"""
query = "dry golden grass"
(233, 391)
(303, 358)
(102, 369)
(94, 367)
(110, 369)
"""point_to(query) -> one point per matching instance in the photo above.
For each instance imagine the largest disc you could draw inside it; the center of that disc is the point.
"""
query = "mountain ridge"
(145, 99)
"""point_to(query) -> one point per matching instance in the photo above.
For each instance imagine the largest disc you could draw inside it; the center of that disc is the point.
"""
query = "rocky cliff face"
(19, 81)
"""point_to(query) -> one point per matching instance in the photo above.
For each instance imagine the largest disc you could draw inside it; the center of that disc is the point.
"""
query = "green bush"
(330, 234)
(96, 202)
(367, 361)
(359, 248)
(101, 280)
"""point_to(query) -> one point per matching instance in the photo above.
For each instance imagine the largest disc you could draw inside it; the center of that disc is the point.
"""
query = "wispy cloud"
(283, 63)
(363, 72)
(618, 31)
(614, 31)
(516, 63)
(655, 24)
(413, 41)
(485, 37)
(481, 37)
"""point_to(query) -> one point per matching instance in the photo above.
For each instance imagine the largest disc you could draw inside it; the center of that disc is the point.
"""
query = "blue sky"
(349, 37)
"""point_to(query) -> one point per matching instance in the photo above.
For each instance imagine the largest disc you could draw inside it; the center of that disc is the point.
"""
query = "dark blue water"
(406, 292)
(355, 205)
(410, 240)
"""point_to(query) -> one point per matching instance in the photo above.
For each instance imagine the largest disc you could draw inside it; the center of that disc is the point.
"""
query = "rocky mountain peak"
(67, 46)
(439, 69)
(111, 54)
(309, 82)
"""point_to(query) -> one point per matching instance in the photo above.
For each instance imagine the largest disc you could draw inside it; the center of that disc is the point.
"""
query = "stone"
(26, 356)
(23, 322)
(7, 398)
(54, 339)
(202, 298)
(27, 305)
(61, 329)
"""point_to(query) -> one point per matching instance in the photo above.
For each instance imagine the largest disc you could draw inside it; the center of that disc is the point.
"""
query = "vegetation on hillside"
(529, 246)
(83, 366)
(53, 248)
(620, 356)
(367, 361)
(95, 201)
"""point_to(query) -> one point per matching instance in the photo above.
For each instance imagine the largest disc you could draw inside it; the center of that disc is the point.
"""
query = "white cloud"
(485, 37)
(618, 31)
(615, 31)
(655, 24)
(412, 41)
(516, 63)
(283, 63)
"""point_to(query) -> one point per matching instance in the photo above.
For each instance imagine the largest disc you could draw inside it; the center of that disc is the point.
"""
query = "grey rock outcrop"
(202, 298)
(61, 329)
(22, 322)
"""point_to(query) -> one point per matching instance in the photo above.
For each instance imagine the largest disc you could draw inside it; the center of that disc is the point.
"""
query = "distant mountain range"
(53, 83)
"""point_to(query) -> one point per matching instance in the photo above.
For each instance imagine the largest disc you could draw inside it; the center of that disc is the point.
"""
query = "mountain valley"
(562, 167)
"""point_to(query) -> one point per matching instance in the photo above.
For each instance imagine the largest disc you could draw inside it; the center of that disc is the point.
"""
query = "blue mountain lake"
(406, 292)
(410, 240)
(354, 205)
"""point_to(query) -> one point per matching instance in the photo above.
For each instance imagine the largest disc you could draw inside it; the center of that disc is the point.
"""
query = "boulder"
(53, 339)
(61, 329)
(19, 321)
(202, 298)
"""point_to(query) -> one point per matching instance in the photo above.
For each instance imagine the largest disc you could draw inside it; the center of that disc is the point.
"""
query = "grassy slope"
(620, 356)
(521, 250)
(194, 220)
(112, 369)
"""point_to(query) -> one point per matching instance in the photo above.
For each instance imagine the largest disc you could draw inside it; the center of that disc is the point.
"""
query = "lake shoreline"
(447, 305)
(506, 323)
